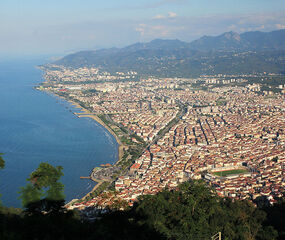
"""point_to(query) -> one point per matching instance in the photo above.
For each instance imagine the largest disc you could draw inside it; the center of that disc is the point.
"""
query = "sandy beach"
(97, 119)
(86, 113)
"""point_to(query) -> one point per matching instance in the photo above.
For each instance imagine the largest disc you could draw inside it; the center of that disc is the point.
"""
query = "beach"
(97, 119)
(86, 113)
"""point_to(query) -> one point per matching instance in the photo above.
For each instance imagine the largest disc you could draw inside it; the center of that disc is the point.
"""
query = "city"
(224, 130)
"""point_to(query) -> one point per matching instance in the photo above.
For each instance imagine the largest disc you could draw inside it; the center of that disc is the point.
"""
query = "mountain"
(265, 41)
(228, 41)
(157, 44)
(249, 41)
(228, 53)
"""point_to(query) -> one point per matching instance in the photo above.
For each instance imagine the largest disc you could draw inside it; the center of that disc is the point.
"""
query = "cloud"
(172, 14)
(160, 30)
(159, 16)
(149, 31)
(141, 29)
(168, 16)
(260, 27)
(261, 22)
(232, 27)
(190, 28)
(280, 26)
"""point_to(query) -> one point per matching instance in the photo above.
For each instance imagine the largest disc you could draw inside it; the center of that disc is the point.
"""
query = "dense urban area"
(225, 129)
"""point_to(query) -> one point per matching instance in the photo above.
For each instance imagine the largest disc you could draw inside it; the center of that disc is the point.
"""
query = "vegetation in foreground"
(192, 211)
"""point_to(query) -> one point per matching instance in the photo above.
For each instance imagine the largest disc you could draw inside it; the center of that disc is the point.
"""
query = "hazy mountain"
(227, 53)
(231, 41)
(228, 41)
(265, 40)
(157, 44)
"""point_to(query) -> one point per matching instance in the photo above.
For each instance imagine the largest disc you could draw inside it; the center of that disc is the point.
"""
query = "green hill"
(229, 53)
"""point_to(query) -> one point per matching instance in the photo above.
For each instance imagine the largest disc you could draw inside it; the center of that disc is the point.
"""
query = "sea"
(39, 127)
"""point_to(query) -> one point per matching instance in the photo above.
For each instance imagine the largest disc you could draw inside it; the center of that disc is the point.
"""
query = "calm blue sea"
(36, 127)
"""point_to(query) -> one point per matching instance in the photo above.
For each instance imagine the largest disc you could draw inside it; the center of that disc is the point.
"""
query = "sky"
(60, 27)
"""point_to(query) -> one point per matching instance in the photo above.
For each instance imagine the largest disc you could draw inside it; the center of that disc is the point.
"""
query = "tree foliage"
(275, 218)
(30, 194)
(180, 214)
(44, 189)
(45, 175)
(192, 211)
(2, 163)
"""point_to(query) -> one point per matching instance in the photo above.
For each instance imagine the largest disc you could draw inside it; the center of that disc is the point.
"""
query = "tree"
(30, 194)
(275, 217)
(239, 219)
(44, 192)
(181, 214)
(45, 175)
(194, 211)
(2, 163)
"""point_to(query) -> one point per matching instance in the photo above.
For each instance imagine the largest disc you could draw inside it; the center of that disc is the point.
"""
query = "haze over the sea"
(36, 127)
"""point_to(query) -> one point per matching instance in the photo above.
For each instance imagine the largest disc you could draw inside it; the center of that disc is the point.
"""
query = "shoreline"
(98, 120)
(87, 113)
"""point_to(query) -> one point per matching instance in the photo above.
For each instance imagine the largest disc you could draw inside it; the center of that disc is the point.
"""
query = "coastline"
(98, 120)
(87, 113)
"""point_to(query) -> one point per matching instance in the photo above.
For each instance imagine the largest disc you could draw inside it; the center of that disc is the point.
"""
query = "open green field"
(229, 172)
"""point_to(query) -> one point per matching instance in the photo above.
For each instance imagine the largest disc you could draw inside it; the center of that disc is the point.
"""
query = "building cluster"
(200, 145)
(58, 73)
(223, 129)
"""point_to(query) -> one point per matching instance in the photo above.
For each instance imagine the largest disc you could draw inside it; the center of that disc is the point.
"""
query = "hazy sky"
(30, 27)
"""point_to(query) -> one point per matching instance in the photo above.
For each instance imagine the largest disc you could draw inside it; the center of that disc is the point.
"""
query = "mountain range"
(228, 53)
(248, 41)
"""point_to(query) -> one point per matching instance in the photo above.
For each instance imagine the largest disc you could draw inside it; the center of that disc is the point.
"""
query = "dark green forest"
(192, 211)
